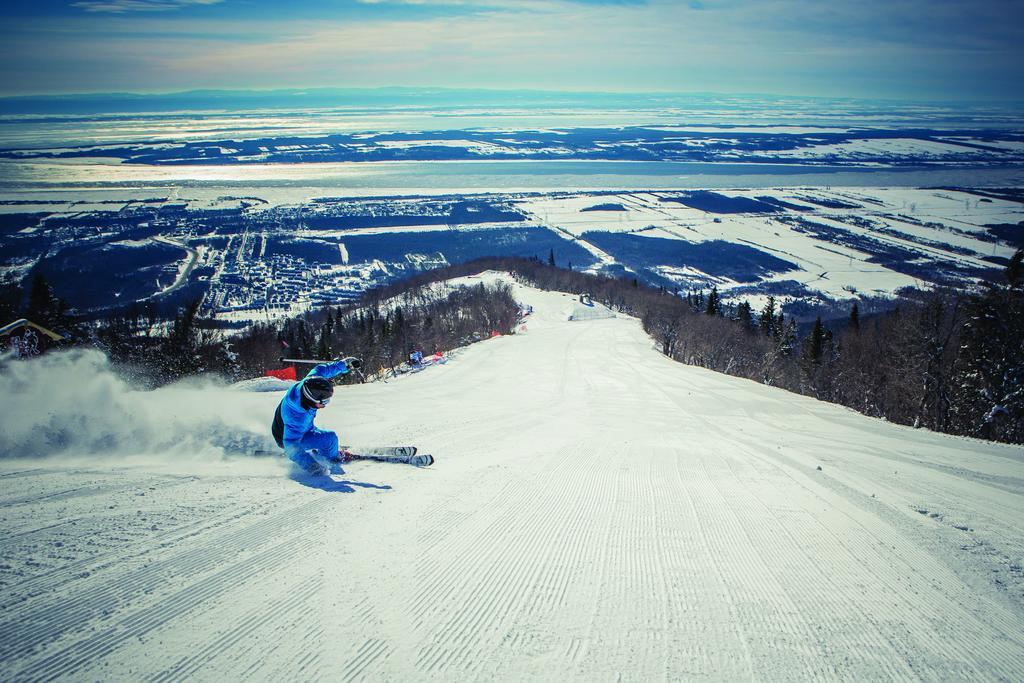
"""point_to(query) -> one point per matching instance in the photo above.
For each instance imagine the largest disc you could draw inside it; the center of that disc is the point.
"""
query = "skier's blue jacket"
(293, 423)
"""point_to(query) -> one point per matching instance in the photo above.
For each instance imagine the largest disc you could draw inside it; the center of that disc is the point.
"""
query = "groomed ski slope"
(597, 512)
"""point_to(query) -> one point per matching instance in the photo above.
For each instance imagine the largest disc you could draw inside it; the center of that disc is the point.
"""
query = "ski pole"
(362, 377)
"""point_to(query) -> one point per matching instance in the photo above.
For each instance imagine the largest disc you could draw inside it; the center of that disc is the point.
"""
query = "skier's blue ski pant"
(322, 443)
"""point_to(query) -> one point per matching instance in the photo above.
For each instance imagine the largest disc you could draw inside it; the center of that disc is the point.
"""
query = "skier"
(293, 429)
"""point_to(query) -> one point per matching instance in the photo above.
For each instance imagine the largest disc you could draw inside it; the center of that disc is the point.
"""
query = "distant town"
(248, 259)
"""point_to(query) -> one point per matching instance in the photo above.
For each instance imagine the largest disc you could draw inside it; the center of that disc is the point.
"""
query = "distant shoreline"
(433, 177)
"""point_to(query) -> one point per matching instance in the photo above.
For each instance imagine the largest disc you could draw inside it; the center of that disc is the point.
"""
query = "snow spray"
(72, 404)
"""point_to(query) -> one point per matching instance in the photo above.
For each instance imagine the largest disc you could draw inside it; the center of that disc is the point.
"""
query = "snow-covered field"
(597, 512)
(944, 226)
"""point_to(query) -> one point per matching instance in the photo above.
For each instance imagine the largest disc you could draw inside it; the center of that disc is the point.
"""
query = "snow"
(596, 512)
(933, 223)
(131, 244)
(793, 130)
(895, 147)
(1009, 145)
(594, 311)
(262, 384)
(475, 146)
(642, 210)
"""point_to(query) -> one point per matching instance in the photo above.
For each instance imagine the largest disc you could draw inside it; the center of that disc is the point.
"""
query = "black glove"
(353, 363)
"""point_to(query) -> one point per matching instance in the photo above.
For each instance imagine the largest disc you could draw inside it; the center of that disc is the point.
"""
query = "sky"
(935, 50)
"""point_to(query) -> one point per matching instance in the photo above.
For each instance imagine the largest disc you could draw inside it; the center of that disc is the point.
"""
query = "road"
(183, 276)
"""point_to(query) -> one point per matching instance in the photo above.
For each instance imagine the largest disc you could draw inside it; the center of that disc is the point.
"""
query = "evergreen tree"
(1015, 270)
(298, 346)
(855, 318)
(551, 257)
(815, 342)
(932, 343)
(786, 335)
(816, 360)
(767, 322)
(329, 322)
(714, 305)
(399, 322)
(43, 306)
(180, 349)
(323, 347)
(745, 316)
(368, 331)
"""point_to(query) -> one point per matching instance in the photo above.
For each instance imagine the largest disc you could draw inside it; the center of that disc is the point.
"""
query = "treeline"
(153, 349)
(143, 344)
(945, 360)
(384, 328)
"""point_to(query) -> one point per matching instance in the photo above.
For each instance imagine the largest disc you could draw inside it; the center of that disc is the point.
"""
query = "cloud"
(870, 48)
(127, 6)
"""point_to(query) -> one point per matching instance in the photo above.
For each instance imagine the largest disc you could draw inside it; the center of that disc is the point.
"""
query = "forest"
(943, 359)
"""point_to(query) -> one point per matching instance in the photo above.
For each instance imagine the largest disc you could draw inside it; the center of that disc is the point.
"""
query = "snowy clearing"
(597, 512)
(947, 227)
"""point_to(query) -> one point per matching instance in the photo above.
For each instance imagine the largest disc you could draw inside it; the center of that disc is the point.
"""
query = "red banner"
(286, 373)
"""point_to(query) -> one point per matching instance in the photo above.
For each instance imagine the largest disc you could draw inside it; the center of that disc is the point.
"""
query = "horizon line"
(323, 90)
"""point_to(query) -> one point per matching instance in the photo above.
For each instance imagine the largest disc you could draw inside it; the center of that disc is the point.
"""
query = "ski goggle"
(319, 401)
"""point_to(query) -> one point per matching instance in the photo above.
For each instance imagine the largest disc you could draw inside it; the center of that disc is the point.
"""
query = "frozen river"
(405, 177)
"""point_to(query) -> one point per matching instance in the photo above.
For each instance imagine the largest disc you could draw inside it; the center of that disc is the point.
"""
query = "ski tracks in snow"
(859, 589)
(90, 619)
(597, 512)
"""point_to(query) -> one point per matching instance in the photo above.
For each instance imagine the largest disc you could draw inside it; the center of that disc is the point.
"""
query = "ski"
(414, 459)
(390, 451)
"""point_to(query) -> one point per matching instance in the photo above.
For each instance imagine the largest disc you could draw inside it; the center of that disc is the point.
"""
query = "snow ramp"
(590, 312)
(596, 512)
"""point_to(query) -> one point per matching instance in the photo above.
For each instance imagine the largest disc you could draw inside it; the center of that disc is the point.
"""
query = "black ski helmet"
(317, 389)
